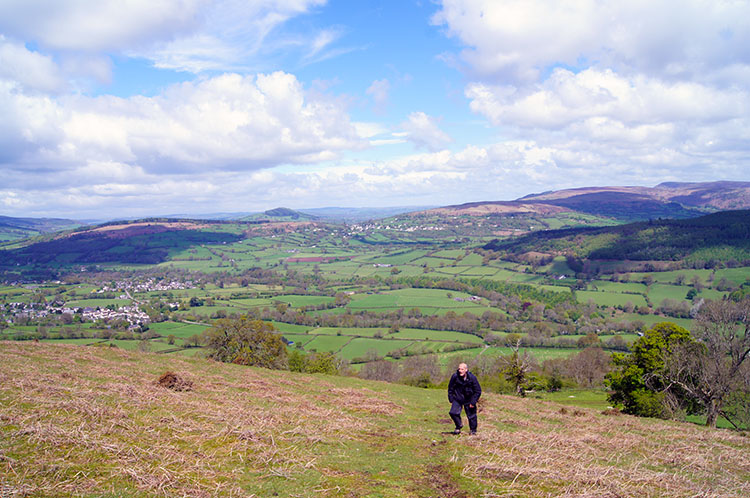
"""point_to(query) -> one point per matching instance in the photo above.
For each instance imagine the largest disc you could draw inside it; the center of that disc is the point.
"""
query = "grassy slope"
(92, 422)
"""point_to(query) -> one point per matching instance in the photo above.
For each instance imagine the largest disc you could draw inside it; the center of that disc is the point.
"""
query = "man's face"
(462, 368)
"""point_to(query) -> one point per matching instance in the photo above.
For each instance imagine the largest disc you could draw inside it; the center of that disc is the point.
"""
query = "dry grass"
(587, 454)
(78, 421)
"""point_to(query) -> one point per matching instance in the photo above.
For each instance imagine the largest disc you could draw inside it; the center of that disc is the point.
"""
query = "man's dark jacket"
(464, 391)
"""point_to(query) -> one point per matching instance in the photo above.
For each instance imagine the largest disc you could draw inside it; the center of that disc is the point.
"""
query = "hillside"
(21, 228)
(145, 241)
(86, 421)
(718, 196)
(724, 236)
(666, 200)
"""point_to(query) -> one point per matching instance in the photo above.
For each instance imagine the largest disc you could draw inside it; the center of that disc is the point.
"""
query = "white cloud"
(423, 131)
(104, 25)
(502, 171)
(228, 122)
(31, 70)
(379, 91)
(517, 40)
(185, 35)
(609, 92)
(369, 129)
(323, 40)
(565, 98)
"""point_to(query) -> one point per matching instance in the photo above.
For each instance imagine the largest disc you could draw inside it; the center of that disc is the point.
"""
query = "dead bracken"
(175, 382)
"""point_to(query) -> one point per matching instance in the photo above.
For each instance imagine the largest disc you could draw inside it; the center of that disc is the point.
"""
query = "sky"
(129, 108)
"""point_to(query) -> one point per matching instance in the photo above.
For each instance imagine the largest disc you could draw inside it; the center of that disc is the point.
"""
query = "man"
(464, 392)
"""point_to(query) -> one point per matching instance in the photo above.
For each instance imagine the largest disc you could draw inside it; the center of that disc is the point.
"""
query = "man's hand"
(471, 406)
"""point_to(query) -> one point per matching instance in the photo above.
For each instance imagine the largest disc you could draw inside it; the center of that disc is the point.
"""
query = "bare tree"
(516, 367)
(711, 369)
(380, 370)
(589, 367)
(421, 369)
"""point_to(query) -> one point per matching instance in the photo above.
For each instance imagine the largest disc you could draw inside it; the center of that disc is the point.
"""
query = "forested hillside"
(719, 236)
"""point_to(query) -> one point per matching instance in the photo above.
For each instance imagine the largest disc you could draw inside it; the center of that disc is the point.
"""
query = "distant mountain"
(21, 228)
(280, 214)
(209, 216)
(666, 200)
(347, 214)
(484, 208)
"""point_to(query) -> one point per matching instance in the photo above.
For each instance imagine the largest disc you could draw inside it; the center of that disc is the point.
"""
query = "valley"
(444, 284)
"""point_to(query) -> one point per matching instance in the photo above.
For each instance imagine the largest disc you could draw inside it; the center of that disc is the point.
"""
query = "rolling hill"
(144, 241)
(666, 200)
(280, 214)
(88, 421)
(723, 235)
(20, 228)
(714, 196)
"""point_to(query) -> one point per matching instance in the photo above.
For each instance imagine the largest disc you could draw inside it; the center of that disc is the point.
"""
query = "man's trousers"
(471, 414)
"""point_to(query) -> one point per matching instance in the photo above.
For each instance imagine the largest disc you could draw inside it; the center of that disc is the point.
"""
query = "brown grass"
(78, 421)
(595, 456)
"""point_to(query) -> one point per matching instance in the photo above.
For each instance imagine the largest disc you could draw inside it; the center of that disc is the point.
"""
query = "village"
(14, 313)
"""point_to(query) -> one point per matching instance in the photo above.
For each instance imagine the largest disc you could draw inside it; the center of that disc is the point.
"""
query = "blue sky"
(117, 108)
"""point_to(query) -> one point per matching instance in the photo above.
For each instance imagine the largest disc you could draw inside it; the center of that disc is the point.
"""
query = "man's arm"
(476, 388)
(451, 388)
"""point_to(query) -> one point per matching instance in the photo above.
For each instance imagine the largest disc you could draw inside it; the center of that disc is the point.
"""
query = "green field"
(181, 330)
(330, 343)
(435, 335)
(603, 298)
(359, 347)
(659, 292)
(651, 320)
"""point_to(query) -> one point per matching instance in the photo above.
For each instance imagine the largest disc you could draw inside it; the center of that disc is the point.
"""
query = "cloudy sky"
(124, 108)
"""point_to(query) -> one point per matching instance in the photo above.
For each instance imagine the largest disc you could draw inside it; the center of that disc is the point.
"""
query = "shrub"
(246, 342)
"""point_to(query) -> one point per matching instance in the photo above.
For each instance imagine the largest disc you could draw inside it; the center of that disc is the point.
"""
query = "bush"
(246, 342)
(323, 362)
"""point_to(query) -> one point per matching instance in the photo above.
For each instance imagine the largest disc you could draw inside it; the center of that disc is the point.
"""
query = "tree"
(194, 340)
(517, 366)
(246, 342)
(322, 362)
(380, 370)
(637, 379)
(589, 367)
(421, 371)
(711, 369)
